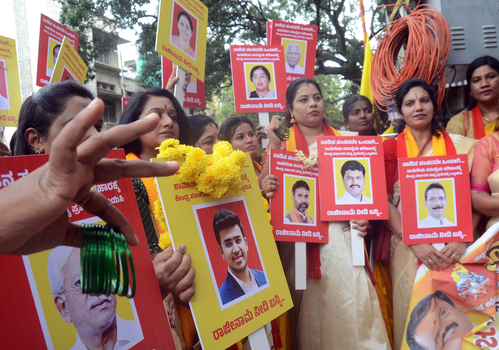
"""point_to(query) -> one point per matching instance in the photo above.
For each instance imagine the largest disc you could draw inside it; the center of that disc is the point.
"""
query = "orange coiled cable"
(425, 36)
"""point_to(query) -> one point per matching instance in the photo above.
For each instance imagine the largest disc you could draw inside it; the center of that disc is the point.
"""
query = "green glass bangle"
(285, 136)
(105, 257)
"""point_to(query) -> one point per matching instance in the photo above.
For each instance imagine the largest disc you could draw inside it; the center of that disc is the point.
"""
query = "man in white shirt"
(293, 56)
(354, 178)
(240, 279)
(301, 198)
(94, 316)
(4, 102)
(435, 200)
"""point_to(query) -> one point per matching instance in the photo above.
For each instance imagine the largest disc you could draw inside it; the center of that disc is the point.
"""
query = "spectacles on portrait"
(75, 288)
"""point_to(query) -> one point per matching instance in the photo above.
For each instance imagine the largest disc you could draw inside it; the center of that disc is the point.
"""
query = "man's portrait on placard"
(436, 205)
(260, 80)
(4, 87)
(436, 319)
(299, 200)
(75, 320)
(53, 49)
(231, 250)
(184, 30)
(296, 55)
(352, 181)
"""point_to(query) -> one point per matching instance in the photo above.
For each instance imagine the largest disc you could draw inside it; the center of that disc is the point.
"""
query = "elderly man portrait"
(240, 279)
(301, 197)
(94, 316)
(435, 200)
(293, 57)
(353, 175)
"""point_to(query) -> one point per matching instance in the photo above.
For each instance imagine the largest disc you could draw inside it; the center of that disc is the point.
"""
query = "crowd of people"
(341, 308)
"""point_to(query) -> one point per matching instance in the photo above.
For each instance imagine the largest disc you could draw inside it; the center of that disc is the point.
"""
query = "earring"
(293, 120)
(37, 152)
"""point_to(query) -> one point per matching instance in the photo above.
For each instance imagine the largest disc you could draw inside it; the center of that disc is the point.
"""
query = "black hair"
(432, 186)
(40, 110)
(183, 13)
(198, 124)
(349, 102)
(477, 63)
(135, 107)
(300, 184)
(404, 90)
(228, 127)
(265, 70)
(55, 47)
(291, 94)
(417, 315)
(225, 218)
(352, 165)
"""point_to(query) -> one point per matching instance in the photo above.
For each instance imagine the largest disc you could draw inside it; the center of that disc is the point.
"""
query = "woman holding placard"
(185, 32)
(340, 308)
(240, 132)
(481, 117)
(420, 136)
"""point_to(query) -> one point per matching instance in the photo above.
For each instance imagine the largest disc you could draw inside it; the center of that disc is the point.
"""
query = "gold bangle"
(89, 196)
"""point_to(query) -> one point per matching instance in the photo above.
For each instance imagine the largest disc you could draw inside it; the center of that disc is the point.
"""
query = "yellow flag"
(365, 84)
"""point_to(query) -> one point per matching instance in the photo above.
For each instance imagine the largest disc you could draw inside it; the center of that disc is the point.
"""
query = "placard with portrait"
(69, 65)
(41, 292)
(194, 95)
(10, 85)
(433, 209)
(52, 34)
(295, 207)
(349, 166)
(237, 265)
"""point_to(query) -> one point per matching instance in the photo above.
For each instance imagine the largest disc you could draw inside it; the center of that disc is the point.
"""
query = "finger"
(97, 146)
(438, 263)
(100, 206)
(173, 263)
(187, 294)
(63, 150)
(161, 257)
(442, 256)
(269, 194)
(181, 271)
(185, 284)
(113, 169)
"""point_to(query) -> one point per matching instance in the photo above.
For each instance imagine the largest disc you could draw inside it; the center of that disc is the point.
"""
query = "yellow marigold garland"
(214, 176)
(164, 237)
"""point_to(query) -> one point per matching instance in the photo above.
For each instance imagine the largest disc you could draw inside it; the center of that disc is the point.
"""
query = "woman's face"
(208, 139)
(184, 28)
(168, 126)
(417, 108)
(361, 118)
(260, 80)
(484, 84)
(74, 106)
(245, 139)
(308, 106)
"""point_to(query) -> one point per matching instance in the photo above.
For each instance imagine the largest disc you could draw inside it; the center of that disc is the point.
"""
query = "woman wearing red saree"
(419, 136)
(340, 307)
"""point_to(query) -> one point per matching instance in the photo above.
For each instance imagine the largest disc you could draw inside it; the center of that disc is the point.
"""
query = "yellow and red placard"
(52, 34)
(259, 78)
(10, 86)
(222, 311)
(295, 207)
(181, 34)
(352, 174)
(457, 307)
(36, 322)
(69, 65)
(195, 94)
(299, 42)
(434, 210)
